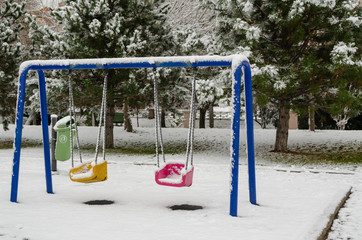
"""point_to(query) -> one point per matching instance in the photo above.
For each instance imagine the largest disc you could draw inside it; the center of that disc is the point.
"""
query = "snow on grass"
(292, 206)
(294, 202)
(350, 217)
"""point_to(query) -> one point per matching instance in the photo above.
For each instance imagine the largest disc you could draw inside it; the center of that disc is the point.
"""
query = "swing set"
(174, 174)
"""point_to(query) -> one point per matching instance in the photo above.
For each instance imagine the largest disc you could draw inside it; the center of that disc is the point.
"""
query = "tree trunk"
(312, 116)
(127, 120)
(138, 122)
(202, 117)
(35, 119)
(263, 118)
(93, 120)
(109, 126)
(281, 141)
(163, 118)
(110, 111)
(211, 116)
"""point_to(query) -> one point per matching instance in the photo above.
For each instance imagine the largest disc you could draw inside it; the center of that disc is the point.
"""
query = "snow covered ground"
(295, 202)
(350, 217)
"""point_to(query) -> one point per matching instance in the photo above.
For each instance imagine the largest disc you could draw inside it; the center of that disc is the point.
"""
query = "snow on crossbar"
(145, 62)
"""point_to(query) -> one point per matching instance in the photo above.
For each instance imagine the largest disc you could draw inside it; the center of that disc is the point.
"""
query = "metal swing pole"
(236, 137)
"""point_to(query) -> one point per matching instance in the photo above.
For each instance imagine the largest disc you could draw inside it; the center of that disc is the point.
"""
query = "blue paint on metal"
(207, 63)
(236, 137)
(235, 143)
(18, 134)
(44, 123)
(131, 65)
(250, 131)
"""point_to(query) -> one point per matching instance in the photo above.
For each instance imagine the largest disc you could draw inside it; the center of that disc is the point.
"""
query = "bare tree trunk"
(109, 126)
(93, 120)
(202, 117)
(163, 118)
(127, 120)
(312, 118)
(110, 111)
(35, 119)
(138, 123)
(312, 115)
(211, 116)
(281, 141)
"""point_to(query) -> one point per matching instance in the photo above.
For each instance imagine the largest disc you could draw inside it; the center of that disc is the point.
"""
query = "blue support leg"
(250, 131)
(45, 128)
(235, 143)
(18, 135)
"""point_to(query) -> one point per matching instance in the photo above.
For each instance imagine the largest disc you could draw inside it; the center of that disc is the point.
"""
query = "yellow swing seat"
(89, 172)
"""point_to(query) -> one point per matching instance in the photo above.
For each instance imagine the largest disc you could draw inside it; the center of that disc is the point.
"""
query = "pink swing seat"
(174, 175)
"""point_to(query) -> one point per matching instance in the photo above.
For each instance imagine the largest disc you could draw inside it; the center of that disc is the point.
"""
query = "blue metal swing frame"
(238, 63)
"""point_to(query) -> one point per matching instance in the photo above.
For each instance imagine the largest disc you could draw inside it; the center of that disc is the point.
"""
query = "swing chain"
(102, 115)
(72, 111)
(190, 137)
(158, 128)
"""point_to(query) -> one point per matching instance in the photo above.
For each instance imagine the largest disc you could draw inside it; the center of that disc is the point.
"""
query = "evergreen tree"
(106, 29)
(57, 94)
(10, 56)
(173, 91)
(298, 48)
(213, 84)
(211, 90)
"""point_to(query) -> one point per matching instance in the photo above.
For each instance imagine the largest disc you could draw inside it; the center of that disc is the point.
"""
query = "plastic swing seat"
(174, 175)
(89, 172)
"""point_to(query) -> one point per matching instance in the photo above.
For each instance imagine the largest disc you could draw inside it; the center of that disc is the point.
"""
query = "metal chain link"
(105, 114)
(70, 115)
(158, 128)
(102, 116)
(190, 138)
(76, 128)
(72, 111)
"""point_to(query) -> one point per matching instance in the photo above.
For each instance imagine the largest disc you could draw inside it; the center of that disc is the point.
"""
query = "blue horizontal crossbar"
(150, 62)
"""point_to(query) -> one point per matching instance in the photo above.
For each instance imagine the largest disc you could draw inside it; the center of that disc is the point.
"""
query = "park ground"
(297, 192)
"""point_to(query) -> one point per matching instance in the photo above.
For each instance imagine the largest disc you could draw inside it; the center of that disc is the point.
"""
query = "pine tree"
(174, 91)
(294, 48)
(213, 84)
(10, 56)
(210, 88)
(106, 29)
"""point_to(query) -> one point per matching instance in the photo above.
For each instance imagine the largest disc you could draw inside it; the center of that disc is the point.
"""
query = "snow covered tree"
(347, 100)
(294, 47)
(173, 91)
(265, 115)
(209, 91)
(105, 29)
(213, 84)
(10, 56)
(56, 92)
